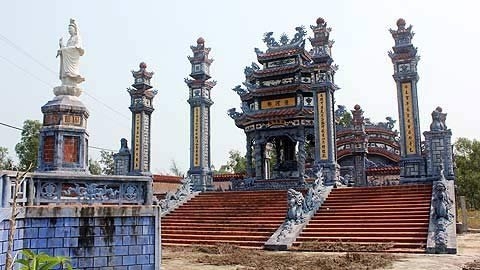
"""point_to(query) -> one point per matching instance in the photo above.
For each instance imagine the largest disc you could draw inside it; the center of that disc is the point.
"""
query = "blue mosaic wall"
(18, 244)
(91, 242)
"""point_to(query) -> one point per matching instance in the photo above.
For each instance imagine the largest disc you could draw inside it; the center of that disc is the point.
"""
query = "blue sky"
(118, 35)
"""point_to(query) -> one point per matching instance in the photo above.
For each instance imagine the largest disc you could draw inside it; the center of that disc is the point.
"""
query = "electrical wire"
(90, 146)
(24, 52)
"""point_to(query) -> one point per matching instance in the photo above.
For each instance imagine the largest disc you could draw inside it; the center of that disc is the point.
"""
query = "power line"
(26, 71)
(90, 146)
(100, 148)
(7, 125)
(15, 46)
(51, 86)
(24, 52)
(106, 105)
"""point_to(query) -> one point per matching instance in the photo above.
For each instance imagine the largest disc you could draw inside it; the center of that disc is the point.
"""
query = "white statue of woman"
(70, 56)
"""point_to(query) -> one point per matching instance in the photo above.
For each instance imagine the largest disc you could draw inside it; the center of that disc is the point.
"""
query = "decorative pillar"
(360, 149)
(438, 146)
(63, 136)
(141, 106)
(5, 191)
(248, 157)
(302, 154)
(404, 58)
(323, 86)
(258, 158)
(200, 102)
(267, 159)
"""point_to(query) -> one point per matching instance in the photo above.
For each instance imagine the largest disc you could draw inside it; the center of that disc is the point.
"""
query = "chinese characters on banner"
(69, 119)
(196, 136)
(138, 124)
(277, 103)
(322, 125)
(408, 119)
(205, 137)
(146, 142)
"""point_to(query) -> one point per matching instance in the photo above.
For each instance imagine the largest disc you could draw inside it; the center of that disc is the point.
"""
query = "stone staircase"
(396, 215)
(241, 218)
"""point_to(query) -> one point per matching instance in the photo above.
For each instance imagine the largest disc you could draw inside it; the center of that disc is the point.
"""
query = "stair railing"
(173, 200)
(300, 210)
(442, 236)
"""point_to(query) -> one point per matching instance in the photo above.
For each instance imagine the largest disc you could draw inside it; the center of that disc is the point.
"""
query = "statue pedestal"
(63, 137)
(67, 90)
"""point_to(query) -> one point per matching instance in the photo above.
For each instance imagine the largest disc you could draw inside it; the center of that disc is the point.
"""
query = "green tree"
(467, 162)
(94, 167)
(27, 148)
(345, 119)
(42, 261)
(107, 163)
(6, 162)
(236, 162)
(174, 169)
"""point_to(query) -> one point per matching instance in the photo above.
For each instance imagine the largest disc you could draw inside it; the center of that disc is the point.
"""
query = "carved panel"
(71, 146)
(146, 142)
(70, 119)
(205, 138)
(277, 103)
(67, 191)
(282, 62)
(322, 125)
(196, 136)
(409, 123)
(307, 101)
(48, 148)
(136, 143)
(51, 119)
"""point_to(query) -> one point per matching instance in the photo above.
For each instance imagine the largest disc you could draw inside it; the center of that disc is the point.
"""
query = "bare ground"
(468, 251)
(231, 258)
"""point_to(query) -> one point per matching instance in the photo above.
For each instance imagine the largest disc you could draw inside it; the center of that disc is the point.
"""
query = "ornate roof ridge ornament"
(321, 43)
(142, 72)
(248, 71)
(200, 52)
(402, 36)
(240, 91)
(403, 41)
(298, 40)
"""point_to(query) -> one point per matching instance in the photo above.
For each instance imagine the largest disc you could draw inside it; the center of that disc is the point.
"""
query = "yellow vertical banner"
(322, 125)
(138, 126)
(196, 136)
(408, 119)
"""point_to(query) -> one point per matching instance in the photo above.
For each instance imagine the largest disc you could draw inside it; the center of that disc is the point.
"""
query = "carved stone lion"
(295, 206)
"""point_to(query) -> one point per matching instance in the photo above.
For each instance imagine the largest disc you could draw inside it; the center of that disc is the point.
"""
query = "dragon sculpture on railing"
(302, 208)
(175, 199)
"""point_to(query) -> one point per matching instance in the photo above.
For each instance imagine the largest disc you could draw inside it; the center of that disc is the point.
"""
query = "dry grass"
(475, 265)
(342, 246)
(226, 255)
(473, 218)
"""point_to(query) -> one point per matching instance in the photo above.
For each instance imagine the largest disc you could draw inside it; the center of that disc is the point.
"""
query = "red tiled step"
(396, 246)
(217, 231)
(371, 234)
(209, 242)
(245, 219)
(357, 220)
(374, 225)
(388, 204)
(397, 215)
(354, 230)
(367, 239)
